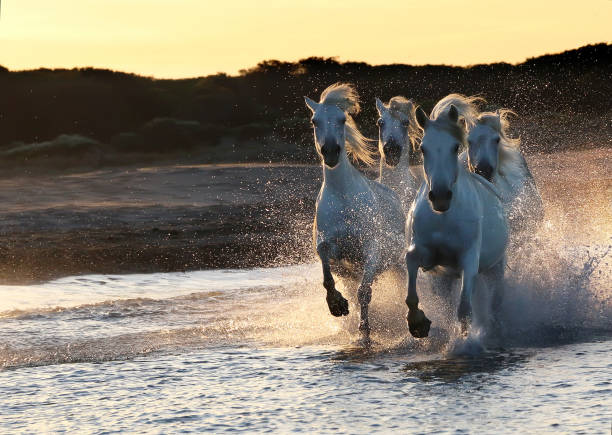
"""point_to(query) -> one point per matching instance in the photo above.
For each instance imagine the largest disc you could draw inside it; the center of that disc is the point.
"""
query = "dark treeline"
(563, 101)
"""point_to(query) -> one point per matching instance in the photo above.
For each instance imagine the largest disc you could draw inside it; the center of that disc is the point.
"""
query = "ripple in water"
(257, 349)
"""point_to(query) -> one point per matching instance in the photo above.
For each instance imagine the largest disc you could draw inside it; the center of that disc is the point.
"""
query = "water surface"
(256, 350)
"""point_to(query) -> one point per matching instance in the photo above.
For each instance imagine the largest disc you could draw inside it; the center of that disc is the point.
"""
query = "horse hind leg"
(496, 278)
(338, 305)
(470, 270)
(364, 296)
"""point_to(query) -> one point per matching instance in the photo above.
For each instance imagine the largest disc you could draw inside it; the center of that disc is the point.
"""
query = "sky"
(187, 38)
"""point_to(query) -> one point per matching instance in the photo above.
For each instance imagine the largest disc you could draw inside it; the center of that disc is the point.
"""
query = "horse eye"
(497, 140)
(380, 122)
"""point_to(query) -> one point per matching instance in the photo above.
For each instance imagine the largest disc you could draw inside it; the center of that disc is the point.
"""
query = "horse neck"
(463, 177)
(342, 177)
(463, 173)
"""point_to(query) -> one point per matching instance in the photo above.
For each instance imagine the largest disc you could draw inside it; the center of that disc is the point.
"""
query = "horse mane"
(467, 110)
(511, 161)
(345, 97)
(401, 108)
(466, 106)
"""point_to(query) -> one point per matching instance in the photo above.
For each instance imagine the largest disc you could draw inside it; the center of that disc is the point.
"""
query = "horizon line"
(334, 58)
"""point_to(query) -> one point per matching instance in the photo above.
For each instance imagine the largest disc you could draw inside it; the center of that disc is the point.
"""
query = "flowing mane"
(345, 97)
(403, 108)
(511, 160)
(467, 110)
(466, 106)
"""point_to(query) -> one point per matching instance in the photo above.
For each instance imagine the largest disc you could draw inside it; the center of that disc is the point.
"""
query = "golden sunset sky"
(186, 38)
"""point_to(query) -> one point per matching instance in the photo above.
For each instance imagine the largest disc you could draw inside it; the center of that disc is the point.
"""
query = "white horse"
(398, 137)
(456, 225)
(359, 223)
(496, 157)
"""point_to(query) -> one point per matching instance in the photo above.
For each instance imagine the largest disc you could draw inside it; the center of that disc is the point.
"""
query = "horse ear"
(422, 118)
(499, 119)
(453, 114)
(312, 105)
(380, 106)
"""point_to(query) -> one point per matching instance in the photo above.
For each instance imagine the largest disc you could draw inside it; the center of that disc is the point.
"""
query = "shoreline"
(196, 217)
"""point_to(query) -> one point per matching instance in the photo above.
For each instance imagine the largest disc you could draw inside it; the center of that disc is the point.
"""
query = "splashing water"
(549, 299)
(257, 349)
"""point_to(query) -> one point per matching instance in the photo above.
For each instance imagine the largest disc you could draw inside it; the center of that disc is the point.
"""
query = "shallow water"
(257, 350)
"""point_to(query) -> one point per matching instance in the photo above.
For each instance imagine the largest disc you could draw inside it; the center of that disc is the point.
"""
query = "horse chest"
(445, 236)
(446, 245)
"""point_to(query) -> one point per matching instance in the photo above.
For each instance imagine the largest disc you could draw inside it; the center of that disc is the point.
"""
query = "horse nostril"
(330, 149)
(446, 196)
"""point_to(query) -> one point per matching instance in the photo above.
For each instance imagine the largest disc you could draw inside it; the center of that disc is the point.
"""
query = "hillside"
(88, 118)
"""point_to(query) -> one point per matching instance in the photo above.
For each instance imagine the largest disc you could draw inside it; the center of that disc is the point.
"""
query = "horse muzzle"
(484, 170)
(392, 154)
(440, 201)
(331, 154)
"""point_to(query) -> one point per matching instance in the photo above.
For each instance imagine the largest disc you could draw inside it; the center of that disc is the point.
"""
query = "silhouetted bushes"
(249, 116)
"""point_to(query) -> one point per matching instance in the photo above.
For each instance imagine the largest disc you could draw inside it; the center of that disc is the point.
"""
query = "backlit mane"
(466, 106)
(468, 113)
(345, 97)
(511, 161)
(403, 108)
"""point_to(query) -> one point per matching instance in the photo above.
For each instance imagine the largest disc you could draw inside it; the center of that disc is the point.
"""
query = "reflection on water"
(309, 389)
(455, 368)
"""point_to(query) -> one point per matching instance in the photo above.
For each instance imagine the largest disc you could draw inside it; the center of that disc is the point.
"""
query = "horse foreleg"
(338, 305)
(418, 323)
(364, 294)
(469, 264)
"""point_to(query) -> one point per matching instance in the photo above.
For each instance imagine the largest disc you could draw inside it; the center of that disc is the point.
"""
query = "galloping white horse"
(457, 224)
(359, 224)
(398, 138)
(496, 157)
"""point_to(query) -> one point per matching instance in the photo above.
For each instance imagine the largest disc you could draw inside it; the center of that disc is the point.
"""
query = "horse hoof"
(365, 342)
(338, 306)
(418, 323)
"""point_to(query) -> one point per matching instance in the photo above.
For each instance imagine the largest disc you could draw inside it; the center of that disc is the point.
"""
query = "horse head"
(443, 138)
(397, 129)
(335, 132)
(485, 142)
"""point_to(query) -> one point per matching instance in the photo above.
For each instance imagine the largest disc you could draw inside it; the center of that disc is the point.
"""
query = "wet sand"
(178, 218)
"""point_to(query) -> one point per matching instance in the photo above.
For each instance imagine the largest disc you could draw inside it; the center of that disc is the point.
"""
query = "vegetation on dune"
(260, 115)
